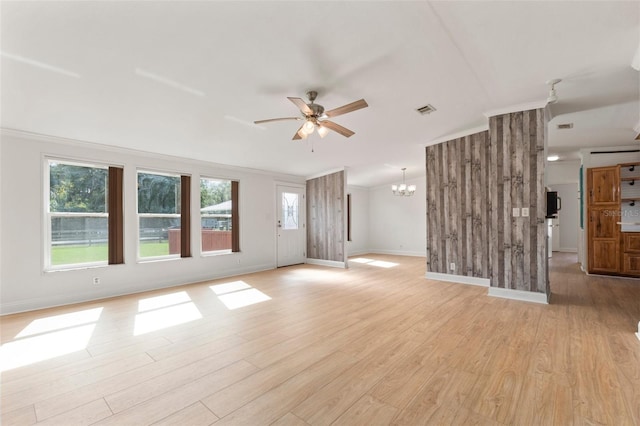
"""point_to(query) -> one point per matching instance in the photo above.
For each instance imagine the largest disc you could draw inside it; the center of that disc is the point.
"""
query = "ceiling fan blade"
(299, 134)
(353, 106)
(302, 105)
(276, 119)
(337, 128)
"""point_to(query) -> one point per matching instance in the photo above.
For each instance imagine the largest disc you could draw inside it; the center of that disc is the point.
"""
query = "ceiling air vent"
(565, 126)
(427, 109)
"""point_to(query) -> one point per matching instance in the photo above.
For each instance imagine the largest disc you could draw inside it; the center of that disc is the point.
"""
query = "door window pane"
(289, 210)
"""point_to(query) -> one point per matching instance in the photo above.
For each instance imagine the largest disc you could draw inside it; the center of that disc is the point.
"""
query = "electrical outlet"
(516, 212)
(96, 280)
(525, 212)
(452, 266)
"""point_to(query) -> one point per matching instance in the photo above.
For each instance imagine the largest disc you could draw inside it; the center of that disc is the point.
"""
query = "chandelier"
(403, 190)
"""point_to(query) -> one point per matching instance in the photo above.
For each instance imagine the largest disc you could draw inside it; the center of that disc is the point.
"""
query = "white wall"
(568, 216)
(26, 286)
(398, 225)
(562, 172)
(359, 243)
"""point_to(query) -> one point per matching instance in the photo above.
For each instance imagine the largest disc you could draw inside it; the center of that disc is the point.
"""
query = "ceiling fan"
(315, 116)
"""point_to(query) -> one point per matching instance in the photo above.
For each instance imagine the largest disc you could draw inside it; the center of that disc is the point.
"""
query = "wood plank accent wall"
(518, 245)
(473, 183)
(325, 212)
(457, 206)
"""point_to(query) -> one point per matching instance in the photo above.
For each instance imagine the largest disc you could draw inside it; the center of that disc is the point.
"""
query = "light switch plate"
(516, 212)
(525, 212)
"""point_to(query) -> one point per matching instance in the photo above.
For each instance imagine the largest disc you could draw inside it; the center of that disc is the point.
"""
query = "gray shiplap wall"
(326, 201)
(473, 183)
(457, 206)
(516, 179)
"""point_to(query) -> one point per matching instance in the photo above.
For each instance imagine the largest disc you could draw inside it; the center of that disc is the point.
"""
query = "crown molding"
(517, 108)
(4, 132)
(458, 135)
(325, 173)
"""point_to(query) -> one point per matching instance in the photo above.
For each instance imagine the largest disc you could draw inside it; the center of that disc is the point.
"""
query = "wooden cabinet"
(604, 185)
(603, 211)
(631, 253)
(610, 250)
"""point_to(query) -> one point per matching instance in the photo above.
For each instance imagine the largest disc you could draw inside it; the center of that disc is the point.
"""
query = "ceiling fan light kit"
(314, 116)
(403, 190)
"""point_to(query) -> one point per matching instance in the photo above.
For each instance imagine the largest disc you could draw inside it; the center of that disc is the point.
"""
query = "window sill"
(156, 259)
(217, 253)
(75, 267)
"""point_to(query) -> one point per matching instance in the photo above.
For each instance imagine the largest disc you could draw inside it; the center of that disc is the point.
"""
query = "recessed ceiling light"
(553, 158)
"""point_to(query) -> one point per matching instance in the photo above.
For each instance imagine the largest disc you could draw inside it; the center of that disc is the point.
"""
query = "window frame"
(47, 265)
(235, 218)
(175, 174)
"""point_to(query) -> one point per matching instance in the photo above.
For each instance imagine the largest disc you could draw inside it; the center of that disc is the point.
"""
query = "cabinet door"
(631, 263)
(603, 222)
(604, 242)
(605, 256)
(604, 185)
(631, 242)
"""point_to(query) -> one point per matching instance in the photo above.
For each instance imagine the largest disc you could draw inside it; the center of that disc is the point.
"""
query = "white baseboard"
(357, 253)
(567, 250)
(331, 263)
(37, 303)
(524, 296)
(461, 279)
(398, 252)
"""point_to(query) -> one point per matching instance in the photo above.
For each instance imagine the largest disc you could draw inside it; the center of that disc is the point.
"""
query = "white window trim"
(161, 258)
(213, 253)
(48, 215)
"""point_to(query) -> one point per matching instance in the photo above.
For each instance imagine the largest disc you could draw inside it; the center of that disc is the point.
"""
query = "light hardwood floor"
(363, 346)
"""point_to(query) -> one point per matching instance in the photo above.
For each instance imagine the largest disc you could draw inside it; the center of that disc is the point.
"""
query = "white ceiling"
(81, 70)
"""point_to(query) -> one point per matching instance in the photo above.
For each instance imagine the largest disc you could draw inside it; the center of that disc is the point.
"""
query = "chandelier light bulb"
(403, 189)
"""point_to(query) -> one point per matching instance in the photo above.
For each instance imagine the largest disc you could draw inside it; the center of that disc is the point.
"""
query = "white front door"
(290, 225)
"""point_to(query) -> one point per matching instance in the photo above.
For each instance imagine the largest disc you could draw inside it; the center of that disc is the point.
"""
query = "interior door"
(290, 225)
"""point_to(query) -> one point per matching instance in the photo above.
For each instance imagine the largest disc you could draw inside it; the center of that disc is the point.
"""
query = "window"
(219, 220)
(84, 215)
(163, 215)
(290, 210)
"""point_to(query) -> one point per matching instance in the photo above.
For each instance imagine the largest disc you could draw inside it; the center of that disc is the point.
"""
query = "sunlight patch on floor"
(238, 294)
(372, 262)
(163, 301)
(58, 322)
(49, 337)
(30, 350)
(168, 310)
(229, 287)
